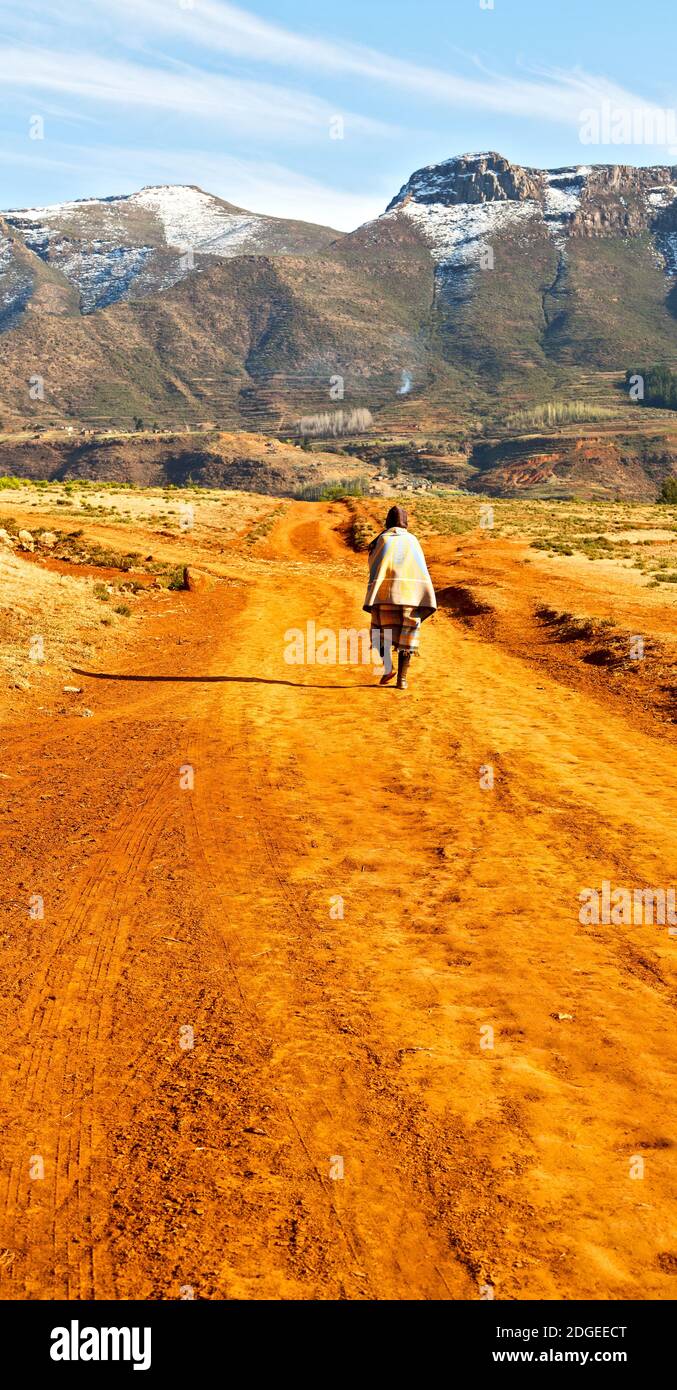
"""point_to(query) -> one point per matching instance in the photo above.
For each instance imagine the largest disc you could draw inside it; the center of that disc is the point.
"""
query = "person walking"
(400, 595)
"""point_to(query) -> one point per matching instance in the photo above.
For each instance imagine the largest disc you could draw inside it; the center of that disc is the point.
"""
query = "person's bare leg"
(387, 657)
(402, 667)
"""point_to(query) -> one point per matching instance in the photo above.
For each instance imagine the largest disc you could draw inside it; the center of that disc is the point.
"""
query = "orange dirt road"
(138, 1166)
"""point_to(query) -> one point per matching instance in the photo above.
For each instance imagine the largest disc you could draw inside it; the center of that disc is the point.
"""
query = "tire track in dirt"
(356, 1036)
(306, 1088)
(304, 1050)
(533, 794)
(65, 1041)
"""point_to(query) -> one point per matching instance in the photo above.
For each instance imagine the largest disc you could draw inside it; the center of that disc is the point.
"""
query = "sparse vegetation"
(559, 413)
(361, 534)
(176, 579)
(262, 528)
(333, 423)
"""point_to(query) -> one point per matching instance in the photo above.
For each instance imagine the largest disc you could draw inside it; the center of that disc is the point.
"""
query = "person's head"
(397, 517)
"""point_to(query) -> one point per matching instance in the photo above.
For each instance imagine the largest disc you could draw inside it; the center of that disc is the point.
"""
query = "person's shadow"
(221, 680)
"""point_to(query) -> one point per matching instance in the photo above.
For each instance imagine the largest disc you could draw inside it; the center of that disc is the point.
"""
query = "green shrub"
(332, 492)
(660, 386)
(668, 492)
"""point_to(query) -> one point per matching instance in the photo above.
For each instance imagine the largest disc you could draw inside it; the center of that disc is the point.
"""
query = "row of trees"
(332, 491)
(659, 386)
(332, 423)
(558, 413)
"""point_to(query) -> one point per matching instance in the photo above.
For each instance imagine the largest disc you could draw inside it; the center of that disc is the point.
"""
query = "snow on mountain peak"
(107, 247)
(461, 202)
(457, 235)
(191, 218)
(562, 197)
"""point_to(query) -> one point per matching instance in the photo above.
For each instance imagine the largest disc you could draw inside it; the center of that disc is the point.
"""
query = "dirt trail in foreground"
(325, 1044)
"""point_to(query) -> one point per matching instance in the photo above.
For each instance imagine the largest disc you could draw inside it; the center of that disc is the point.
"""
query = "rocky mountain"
(16, 282)
(579, 200)
(568, 266)
(484, 289)
(115, 248)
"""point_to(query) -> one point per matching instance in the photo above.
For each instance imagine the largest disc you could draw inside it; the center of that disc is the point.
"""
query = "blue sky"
(243, 99)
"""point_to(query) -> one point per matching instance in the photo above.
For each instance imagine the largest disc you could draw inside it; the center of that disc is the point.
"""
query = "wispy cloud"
(550, 95)
(255, 107)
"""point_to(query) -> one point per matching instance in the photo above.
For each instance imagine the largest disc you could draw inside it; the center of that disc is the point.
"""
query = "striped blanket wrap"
(400, 595)
(398, 627)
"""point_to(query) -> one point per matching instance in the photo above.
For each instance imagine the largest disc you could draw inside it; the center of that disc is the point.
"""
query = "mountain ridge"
(483, 289)
(147, 241)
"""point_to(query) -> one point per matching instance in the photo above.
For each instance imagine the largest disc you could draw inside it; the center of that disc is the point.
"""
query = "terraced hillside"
(485, 288)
